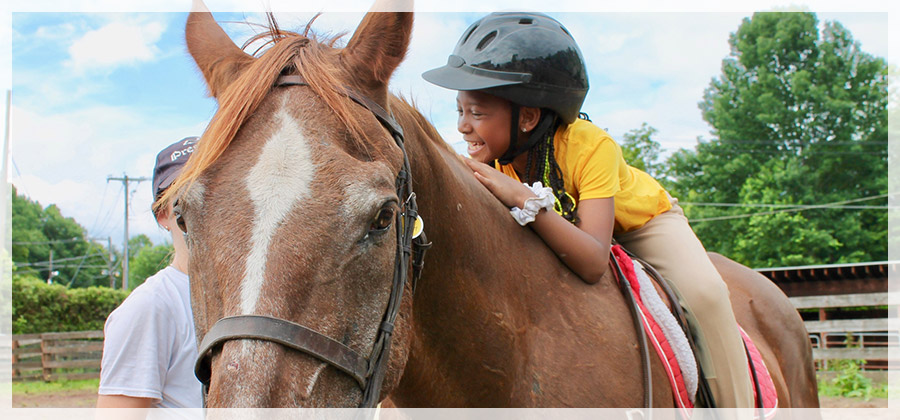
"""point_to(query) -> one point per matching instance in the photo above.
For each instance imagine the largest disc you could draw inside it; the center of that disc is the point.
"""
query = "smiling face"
(484, 123)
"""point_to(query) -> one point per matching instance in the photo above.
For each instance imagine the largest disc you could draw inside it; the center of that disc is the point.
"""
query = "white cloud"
(97, 208)
(6, 36)
(56, 32)
(65, 159)
(79, 141)
(870, 29)
(645, 68)
(116, 44)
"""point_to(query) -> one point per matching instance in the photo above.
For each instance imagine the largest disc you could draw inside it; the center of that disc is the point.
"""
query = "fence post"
(822, 317)
(15, 358)
(46, 358)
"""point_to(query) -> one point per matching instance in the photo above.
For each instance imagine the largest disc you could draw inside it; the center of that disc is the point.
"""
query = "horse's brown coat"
(496, 319)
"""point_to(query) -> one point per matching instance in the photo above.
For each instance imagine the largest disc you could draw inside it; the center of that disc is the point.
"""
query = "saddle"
(665, 326)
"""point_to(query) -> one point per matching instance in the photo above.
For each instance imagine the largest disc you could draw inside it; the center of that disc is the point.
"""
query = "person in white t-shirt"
(149, 345)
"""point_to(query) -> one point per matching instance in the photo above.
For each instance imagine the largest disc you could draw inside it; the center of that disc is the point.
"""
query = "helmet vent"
(468, 34)
(486, 40)
(526, 21)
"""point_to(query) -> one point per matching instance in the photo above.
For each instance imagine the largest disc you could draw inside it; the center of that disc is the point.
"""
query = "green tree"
(136, 243)
(38, 232)
(799, 117)
(147, 261)
(641, 151)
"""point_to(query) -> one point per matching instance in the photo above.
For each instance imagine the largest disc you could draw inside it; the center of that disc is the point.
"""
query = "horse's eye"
(382, 221)
(179, 219)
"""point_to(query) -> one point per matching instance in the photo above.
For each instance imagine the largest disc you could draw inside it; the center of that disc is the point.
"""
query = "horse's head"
(289, 206)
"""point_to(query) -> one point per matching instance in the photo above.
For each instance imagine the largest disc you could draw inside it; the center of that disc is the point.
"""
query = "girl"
(521, 81)
(149, 347)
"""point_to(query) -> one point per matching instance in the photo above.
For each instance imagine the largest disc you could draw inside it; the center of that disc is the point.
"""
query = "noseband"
(368, 372)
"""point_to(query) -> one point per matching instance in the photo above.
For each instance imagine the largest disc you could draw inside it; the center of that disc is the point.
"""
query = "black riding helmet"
(527, 58)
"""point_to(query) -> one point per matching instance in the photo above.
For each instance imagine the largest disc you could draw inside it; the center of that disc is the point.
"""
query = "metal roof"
(866, 277)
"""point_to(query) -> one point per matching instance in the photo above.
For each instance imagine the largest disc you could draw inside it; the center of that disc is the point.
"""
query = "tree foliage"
(799, 117)
(37, 231)
(641, 151)
(146, 262)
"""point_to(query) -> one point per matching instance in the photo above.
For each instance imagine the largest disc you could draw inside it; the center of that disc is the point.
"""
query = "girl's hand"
(509, 191)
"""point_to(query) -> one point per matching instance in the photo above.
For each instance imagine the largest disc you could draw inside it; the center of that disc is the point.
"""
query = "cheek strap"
(512, 151)
(546, 126)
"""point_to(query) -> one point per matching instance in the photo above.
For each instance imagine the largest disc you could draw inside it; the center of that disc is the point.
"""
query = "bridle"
(368, 372)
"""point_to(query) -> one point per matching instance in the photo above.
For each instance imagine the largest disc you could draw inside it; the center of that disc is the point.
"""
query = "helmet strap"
(546, 123)
(512, 151)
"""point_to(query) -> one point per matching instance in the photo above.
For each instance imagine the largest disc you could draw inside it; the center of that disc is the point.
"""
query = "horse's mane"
(402, 105)
(240, 99)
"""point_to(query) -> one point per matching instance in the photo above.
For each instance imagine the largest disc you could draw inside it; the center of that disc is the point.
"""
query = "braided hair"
(542, 165)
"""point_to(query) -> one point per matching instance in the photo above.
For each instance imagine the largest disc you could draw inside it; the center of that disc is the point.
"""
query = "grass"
(41, 387)
(850, 382)
(827, 388)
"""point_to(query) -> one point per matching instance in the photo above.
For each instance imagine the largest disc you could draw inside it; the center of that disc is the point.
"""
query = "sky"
(100, 87)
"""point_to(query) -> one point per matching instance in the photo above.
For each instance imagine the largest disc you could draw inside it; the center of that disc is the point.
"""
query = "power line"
(75, 266)
(55, 260)
(803, 152)
(102, 230)
(55, 241)
(19, 173)
(807, 142)
(817, 206)
(100, 208)
(797, 206)
(125, 180)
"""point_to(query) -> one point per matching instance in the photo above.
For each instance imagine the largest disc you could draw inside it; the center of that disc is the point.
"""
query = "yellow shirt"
(592, 166)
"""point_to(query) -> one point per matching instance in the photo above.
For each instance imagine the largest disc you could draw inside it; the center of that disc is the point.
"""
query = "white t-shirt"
(149, 347)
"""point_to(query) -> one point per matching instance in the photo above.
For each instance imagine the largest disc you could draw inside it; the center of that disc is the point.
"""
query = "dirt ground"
(64, 399)
(88, 398)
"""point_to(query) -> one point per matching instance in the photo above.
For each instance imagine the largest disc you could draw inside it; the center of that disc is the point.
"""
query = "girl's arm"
(583, 248)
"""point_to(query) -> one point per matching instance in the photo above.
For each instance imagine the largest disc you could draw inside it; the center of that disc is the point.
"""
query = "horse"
(290, 206)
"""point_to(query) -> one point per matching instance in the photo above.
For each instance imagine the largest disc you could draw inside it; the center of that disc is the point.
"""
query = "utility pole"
(112, 278)
(50, 270)
(6, 136)
(4, 232)
(125, 180)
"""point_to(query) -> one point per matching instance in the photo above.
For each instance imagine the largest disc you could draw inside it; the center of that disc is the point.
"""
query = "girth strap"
(283, 332)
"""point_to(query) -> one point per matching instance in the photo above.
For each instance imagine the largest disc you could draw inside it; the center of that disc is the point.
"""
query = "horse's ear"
(220, 60)
(380, 42)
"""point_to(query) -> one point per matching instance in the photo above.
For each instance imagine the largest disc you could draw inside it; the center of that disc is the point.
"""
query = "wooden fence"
(867, 339)
(76, 355)
(54, 356)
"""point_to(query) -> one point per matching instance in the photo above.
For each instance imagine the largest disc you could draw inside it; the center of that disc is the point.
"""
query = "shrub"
(849, 381)
(39, 307)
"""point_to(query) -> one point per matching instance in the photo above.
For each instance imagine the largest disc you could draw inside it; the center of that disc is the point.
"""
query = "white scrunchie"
(533, 205)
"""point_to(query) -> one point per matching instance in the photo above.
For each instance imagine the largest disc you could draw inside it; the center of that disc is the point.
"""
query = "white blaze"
(281, 177)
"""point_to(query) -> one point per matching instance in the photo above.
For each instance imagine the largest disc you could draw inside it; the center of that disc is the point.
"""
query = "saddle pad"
(672, 347)
(662, 331)
(766, 384)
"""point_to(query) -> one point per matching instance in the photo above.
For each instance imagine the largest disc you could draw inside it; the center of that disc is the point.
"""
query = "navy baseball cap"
(169, 163)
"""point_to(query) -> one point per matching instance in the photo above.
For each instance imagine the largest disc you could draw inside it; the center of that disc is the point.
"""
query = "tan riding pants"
(668, 243)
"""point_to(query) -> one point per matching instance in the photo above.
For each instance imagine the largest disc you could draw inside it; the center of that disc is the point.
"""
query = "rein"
(368, 372)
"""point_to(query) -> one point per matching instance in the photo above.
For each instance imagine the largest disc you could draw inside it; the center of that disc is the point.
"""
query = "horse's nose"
(241, 372)
(255, 373)
(304, 393)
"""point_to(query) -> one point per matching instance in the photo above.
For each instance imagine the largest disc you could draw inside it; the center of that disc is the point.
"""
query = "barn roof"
(833, 278)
